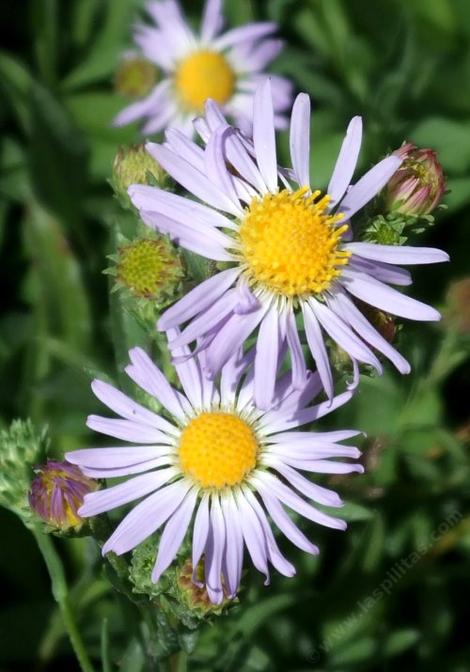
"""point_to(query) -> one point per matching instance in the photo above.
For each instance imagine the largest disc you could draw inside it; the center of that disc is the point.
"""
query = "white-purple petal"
(123, 493)
(264, 135)
(346, 161)
(173, 534)
(369, 186)
(299, 139)
(146, 518)
(386, 298)
(397, 254)
(198, 299)
(317, 348)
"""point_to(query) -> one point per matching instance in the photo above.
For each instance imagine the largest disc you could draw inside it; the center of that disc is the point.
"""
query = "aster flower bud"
(58, 492)
(178, 593)
(149, 271)
(134, 165)
(418, 185)
(21, 446)
(192, 593)
(135, 77)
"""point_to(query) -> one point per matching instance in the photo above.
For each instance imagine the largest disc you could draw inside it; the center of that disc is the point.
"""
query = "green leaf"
(58, 157)
(450, 138)
(57, 281)
(44, 16)
(103, 56)
(399, 641)
(15, 82)
(352, 512)
(356, 652)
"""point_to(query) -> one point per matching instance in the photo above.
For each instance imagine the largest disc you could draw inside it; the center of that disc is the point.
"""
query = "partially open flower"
(135, 77)
(418, 185)
(57, 493)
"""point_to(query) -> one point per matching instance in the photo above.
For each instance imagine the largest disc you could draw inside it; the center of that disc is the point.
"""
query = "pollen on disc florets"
(201, 75)
(290, 243)
(217, 449)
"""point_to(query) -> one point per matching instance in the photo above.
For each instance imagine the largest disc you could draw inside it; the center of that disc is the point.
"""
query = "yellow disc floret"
(290, 243)
(217, 449)
(202, 75)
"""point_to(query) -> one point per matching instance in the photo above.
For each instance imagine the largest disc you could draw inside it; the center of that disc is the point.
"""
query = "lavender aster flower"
(290, 248)
(217, 459)
(57, 492)
(226, 67)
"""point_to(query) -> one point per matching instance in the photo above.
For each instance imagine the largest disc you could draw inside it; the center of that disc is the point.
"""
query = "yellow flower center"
(202, 75)
(217, 449)
(291, 244)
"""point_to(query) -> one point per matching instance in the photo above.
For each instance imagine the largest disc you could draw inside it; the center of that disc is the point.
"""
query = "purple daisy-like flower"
(226, 67)
(217, 460)
(293, 261)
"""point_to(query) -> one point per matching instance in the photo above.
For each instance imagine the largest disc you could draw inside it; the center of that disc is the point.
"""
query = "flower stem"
(60, 593)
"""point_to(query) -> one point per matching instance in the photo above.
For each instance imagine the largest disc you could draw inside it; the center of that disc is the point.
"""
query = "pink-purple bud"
(57, 492)
(418, 185)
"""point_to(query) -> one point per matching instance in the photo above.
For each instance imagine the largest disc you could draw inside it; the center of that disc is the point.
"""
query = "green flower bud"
(149, 271)
(134, 165)
(135, 77)
(175, 592)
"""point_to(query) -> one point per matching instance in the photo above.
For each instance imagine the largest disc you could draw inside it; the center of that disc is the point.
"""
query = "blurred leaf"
(354, 653)
(352, 512)
(57, 279)
(15, 81)
(57, 157)
(459, 194)
(400, 641)
(44, 17)
(374, 551)
(84, 20)
(103, 57)
(450, 138)
(14, 184)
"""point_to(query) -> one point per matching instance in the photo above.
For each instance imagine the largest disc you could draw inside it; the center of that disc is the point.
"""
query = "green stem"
(60, 593)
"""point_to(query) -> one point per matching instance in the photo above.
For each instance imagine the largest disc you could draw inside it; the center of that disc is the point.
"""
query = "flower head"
(225, 67)
(57, 493)
(418, 185)
(134, 165)
(291, 249)
(149, 268)
(135, 77)
(217, 459)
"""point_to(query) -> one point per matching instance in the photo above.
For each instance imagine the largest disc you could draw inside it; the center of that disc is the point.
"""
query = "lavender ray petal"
(346, 161)
(173, 534)
(299, 139)
(198, 299)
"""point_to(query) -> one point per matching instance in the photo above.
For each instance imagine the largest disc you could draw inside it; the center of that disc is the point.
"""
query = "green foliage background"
(405, 66)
